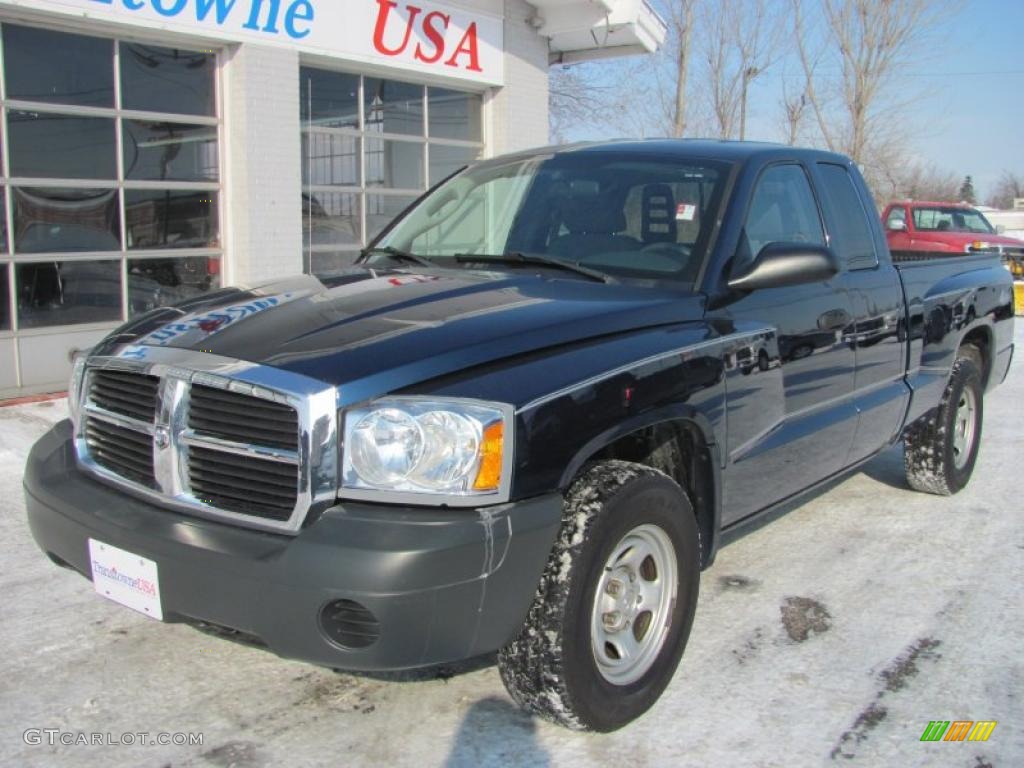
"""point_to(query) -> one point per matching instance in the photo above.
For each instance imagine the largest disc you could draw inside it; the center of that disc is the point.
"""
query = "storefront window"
(57, 220)
(370, 147)
(329, 99)
(110, 179)
(333, 218)
(392, 107)
(47, 145)
(165, 218)
(158, 282)
(331, 159)
(170, 80)
(156, 151)
(394, 164)
(68, 293)
(57, 68)
(454, 115)
(5, 313)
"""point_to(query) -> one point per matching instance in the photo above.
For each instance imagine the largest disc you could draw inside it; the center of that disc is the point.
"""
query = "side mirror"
(1000, 229)
(782, 264)
(897, 225)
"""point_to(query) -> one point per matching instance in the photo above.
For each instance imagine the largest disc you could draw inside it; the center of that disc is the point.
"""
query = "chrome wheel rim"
(964, 427)
(633, 604)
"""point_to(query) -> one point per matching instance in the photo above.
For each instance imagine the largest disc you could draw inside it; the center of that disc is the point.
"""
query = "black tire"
(930, 457)
(550, 669)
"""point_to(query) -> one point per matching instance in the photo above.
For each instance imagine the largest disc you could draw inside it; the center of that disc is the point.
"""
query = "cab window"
(782, 210)
(849, 229)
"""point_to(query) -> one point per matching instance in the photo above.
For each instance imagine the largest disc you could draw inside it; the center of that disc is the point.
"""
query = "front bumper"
(444, 584)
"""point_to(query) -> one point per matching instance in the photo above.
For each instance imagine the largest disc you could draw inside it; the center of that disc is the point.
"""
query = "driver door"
(790, 416)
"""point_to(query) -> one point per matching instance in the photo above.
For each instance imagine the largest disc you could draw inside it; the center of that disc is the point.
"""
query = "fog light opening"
(349, 624)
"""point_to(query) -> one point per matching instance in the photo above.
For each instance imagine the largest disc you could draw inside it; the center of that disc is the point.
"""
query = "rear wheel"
(941, 448)
(615, 605)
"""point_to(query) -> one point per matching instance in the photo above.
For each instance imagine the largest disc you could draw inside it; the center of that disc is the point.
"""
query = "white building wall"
(519, 111)
(262, 164)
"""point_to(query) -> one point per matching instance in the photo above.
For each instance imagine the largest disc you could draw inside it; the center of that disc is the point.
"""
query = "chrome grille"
(210, 436)
(129, 394)
(242, 418)
(125, 451)
(244, 484)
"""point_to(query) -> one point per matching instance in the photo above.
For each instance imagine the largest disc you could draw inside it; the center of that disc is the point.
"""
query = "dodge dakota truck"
(525, 420)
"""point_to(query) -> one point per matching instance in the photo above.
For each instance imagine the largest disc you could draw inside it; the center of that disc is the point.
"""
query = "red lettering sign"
(435, 35)
(434, 27)
(467, 45)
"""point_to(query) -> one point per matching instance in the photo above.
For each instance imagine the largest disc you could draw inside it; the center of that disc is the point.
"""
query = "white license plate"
(125, 578)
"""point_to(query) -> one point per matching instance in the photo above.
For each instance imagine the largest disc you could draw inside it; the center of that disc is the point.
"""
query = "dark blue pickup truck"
(525, 421)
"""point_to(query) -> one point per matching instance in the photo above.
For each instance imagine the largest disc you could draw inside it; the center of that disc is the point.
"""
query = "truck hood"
(963, 238)
(374, 331)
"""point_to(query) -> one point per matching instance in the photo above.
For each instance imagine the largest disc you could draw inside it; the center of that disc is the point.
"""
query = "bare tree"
(739, 44)
(721, 75)
(867, 41)
(921, 182)
(757, 44)
(572, 99)
(681, 21)
(1009, 186)
(794, 108)
(967, 193)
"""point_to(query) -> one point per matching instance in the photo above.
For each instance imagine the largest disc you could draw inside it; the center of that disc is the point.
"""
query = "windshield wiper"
(518, 257)
(398, 255)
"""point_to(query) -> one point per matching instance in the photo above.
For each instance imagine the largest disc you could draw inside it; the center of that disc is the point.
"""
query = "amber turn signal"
(488, 478)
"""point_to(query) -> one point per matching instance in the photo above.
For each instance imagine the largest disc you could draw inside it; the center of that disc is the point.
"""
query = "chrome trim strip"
(315, 403)
(191, 437)
(543, 399)
(117, 419)
(172, 417)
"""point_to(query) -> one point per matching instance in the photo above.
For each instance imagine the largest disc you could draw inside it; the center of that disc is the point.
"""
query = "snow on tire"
(558, 666)
(940, 448)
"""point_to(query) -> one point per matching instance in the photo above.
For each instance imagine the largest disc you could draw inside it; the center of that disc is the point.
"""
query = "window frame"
(852, 265)
(10, 258)
(362, 135)
(808, 177)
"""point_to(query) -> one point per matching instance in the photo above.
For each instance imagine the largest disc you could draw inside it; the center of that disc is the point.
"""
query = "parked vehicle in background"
(929, 227)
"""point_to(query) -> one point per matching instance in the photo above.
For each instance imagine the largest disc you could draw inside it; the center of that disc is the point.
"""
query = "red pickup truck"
(945, 228)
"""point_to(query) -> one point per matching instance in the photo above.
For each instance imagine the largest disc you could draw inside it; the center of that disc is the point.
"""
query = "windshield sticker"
(685, 211)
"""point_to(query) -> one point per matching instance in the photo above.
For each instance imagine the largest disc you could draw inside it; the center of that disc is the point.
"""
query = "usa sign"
(424, 37)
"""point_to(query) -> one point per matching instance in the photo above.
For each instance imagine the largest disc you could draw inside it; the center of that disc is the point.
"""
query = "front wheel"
(615, 605)
(940, 449)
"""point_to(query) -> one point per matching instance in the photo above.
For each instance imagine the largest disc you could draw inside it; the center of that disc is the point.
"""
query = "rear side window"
(850, 231)
(782, 210)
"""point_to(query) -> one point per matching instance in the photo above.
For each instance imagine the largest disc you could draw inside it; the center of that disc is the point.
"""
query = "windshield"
(950, 219)
(617, 214)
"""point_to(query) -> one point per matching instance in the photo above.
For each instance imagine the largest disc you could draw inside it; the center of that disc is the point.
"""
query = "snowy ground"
(830, 637)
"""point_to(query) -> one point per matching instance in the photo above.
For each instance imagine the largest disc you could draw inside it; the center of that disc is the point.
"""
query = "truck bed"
(945, 292)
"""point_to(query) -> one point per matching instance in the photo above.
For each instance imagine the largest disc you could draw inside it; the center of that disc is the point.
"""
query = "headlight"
(75, 384)
(411, 448)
